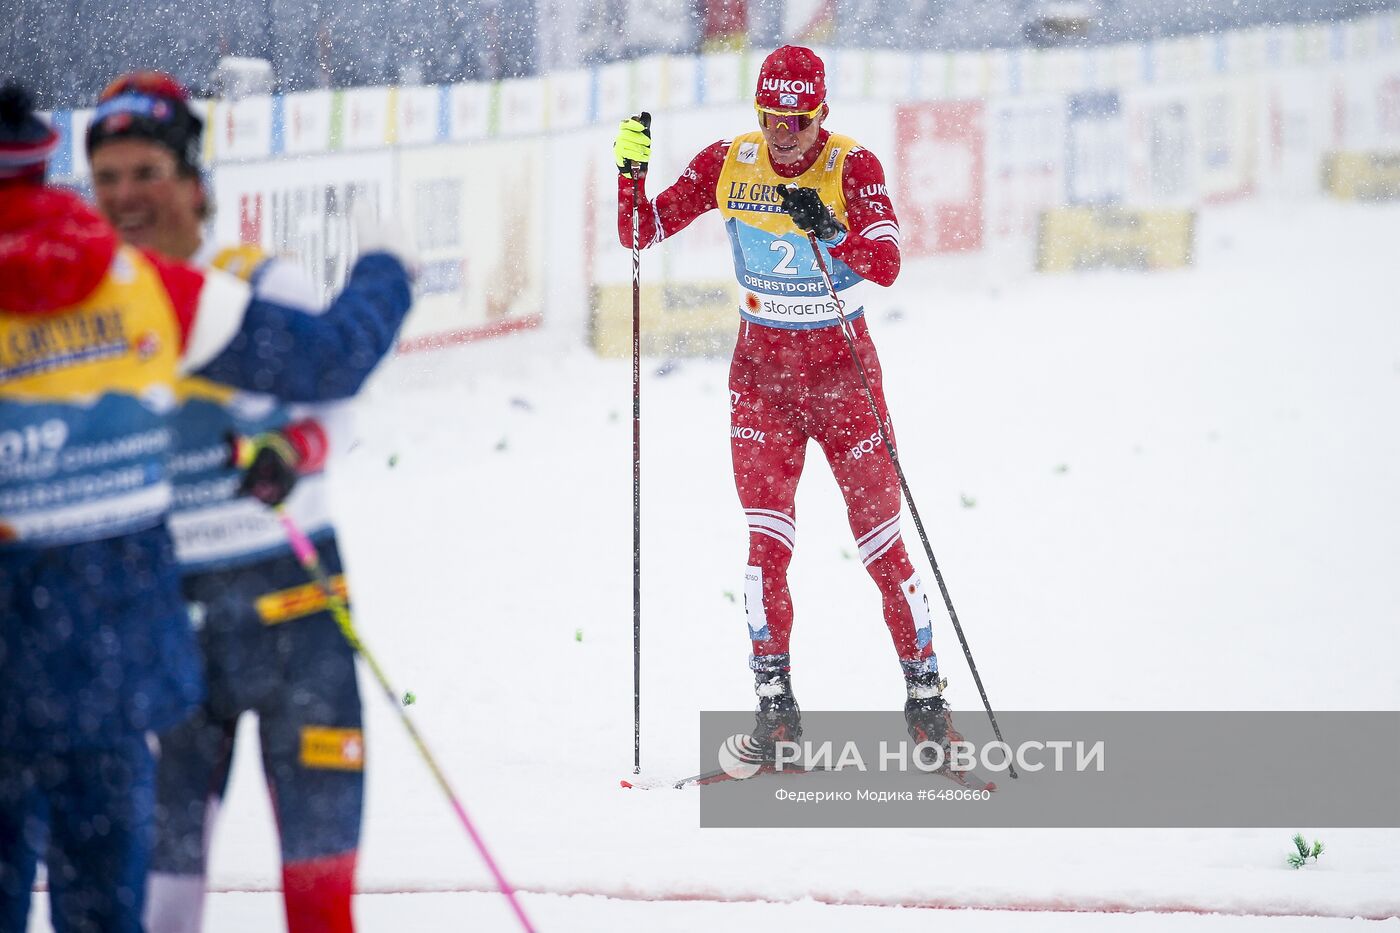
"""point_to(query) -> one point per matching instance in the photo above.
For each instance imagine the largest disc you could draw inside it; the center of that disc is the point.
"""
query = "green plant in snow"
(1300, 858)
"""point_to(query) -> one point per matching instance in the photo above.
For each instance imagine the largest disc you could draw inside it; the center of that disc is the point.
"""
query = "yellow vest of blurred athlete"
(84, 398)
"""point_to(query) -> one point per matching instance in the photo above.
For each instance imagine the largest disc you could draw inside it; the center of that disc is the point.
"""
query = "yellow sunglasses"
(788, 120)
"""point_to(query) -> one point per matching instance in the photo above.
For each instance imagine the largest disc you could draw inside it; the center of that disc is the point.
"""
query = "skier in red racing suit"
(792, 378)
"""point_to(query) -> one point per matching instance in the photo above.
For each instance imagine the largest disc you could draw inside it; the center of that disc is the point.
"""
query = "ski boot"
(927, 716)
(777, 718)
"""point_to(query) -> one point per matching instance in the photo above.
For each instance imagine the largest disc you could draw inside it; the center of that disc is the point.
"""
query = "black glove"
(269, 463)
(806, 209)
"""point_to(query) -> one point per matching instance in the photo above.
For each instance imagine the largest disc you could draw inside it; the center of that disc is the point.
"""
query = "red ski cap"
(792, 79)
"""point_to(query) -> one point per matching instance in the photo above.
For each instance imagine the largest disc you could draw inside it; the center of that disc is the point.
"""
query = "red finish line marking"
(1045, 906)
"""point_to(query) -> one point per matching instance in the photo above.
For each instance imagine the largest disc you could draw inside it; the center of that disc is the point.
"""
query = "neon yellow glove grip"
(246, 449)
(633, 144)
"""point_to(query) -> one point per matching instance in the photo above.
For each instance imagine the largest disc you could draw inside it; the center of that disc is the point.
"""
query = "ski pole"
(638, 172)
(904, 485)
(306, 553)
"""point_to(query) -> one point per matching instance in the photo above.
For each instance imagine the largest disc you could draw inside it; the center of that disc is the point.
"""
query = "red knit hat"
(793, 79)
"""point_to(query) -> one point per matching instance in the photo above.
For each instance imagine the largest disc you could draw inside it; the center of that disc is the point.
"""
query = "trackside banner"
(301, 208)
(1075, 770)
(480, 245)
(942, 172)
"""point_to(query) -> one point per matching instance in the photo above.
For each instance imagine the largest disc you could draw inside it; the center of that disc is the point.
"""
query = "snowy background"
(68, 51)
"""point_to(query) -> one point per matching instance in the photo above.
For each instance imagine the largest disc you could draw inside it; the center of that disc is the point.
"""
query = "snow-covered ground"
(1145, 492)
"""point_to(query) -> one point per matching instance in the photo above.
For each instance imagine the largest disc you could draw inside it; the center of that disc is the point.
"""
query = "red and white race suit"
(792, 378)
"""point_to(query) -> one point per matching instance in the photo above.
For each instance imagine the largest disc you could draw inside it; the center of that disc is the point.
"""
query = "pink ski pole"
(306, 553)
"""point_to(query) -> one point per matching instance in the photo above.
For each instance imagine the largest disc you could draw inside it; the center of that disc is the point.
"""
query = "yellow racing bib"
(773, 261)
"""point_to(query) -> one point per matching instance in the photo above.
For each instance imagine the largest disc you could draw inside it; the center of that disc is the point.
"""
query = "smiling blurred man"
(145, 174)
(269, 642)
(792, 378)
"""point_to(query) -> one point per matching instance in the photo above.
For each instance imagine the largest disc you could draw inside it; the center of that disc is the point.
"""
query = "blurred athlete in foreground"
(96, 648)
